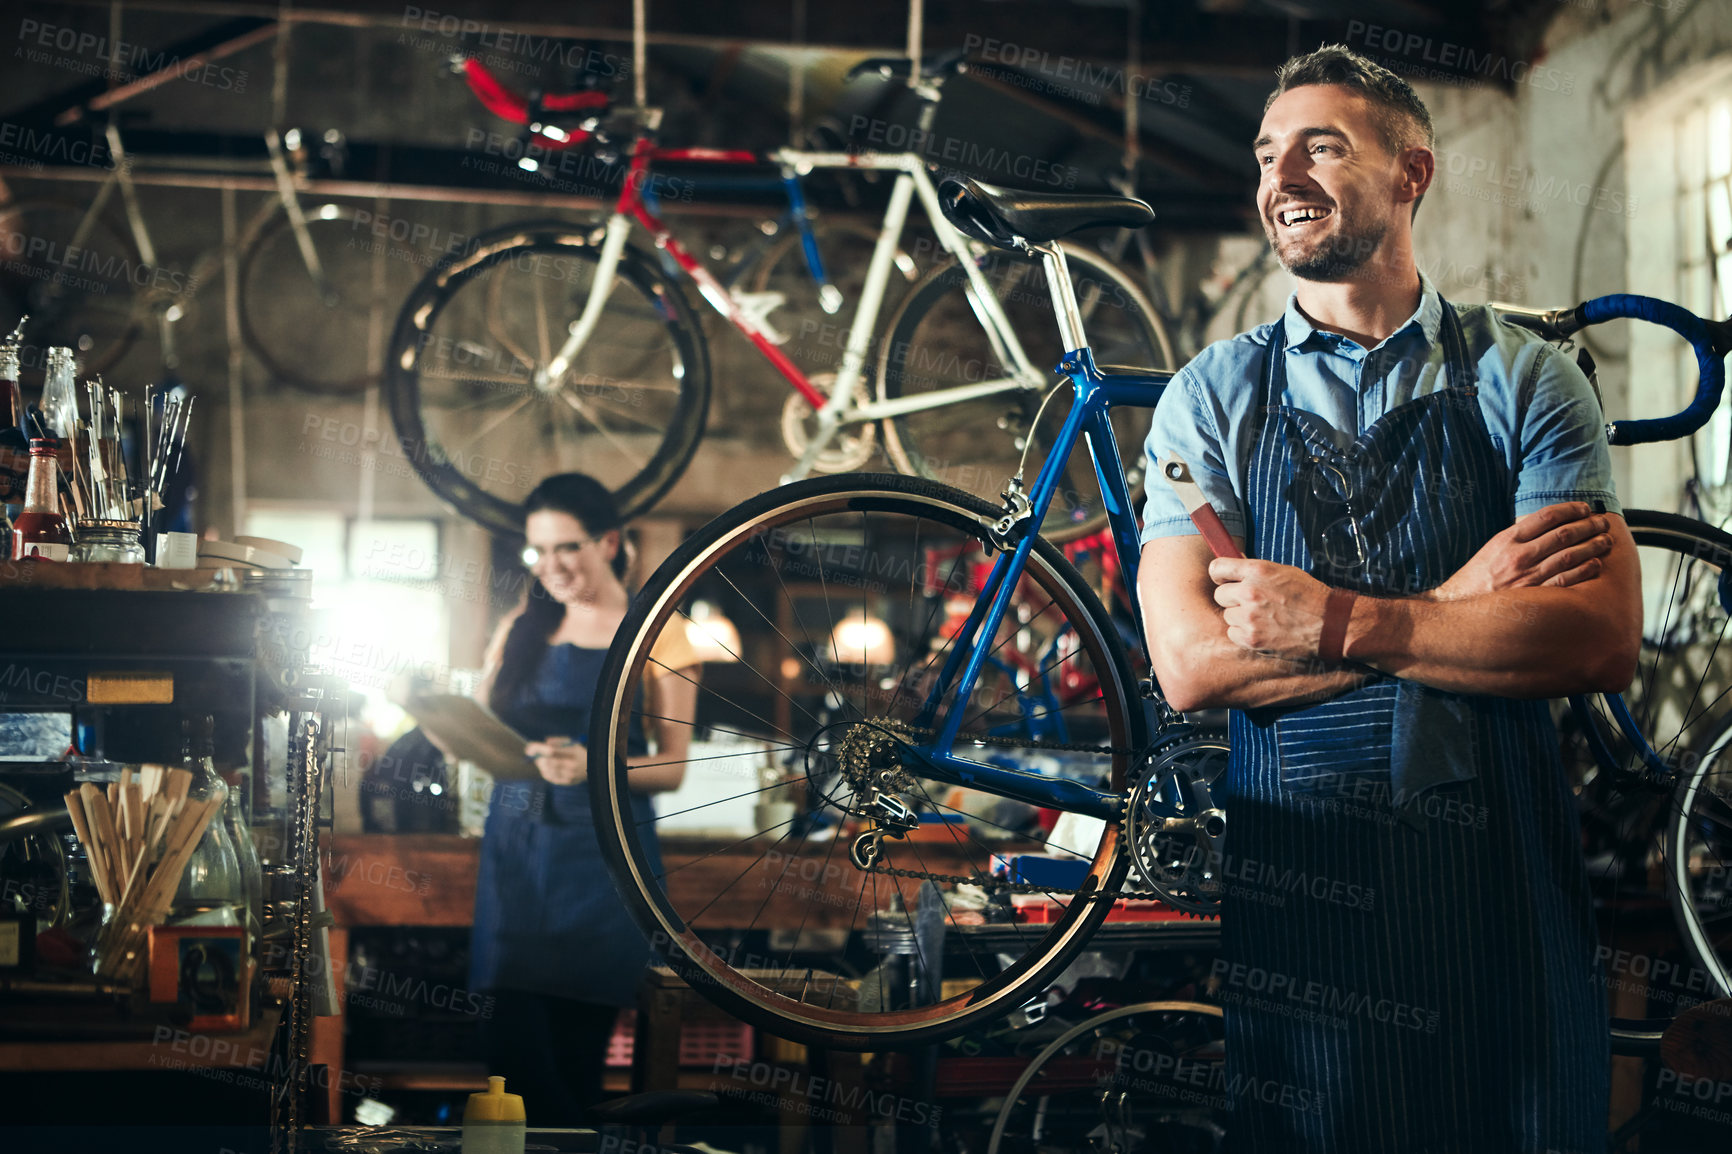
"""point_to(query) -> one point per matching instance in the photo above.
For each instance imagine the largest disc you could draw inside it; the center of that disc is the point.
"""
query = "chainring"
(851, 447)
(1174, 829)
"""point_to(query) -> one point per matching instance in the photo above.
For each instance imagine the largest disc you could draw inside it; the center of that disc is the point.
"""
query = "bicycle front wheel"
(941, 339)
(1698, 860)
(483, 419)
(843, 594)
(1631, 757)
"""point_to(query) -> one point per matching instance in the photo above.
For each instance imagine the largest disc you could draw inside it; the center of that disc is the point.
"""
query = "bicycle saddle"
(1002, 216)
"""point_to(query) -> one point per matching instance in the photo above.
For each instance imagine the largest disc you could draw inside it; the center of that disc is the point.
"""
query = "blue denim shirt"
(1541, 411)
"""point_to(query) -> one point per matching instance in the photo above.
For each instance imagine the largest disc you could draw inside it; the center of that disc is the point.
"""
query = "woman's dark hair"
(577, 495)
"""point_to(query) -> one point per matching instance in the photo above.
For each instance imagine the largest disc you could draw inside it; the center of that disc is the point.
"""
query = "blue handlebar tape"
(1692, 328)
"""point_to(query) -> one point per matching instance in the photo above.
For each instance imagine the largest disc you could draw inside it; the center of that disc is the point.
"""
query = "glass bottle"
(101, 540)
(14, 441)
(59, 395)
(211, 891)
(41, 529)
(237, 815)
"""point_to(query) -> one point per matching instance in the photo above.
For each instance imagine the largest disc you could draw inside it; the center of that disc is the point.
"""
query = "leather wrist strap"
(1337, 611)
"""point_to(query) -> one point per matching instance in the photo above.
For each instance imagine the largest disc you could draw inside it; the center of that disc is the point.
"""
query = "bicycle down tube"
(1095, 395)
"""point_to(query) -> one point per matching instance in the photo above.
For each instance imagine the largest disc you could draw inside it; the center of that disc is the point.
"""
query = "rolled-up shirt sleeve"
(1184, 425)
(1564, 453)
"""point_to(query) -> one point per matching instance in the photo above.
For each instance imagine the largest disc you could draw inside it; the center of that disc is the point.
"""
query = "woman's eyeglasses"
(533, 556)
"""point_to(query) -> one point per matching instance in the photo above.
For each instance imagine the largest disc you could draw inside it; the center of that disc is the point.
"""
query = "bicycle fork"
(612, 246)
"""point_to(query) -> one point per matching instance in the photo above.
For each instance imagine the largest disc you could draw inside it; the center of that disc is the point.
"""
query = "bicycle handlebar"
(509, 105)
(1712, 340)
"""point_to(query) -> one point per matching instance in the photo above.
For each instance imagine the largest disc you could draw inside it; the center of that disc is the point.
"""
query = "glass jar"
(101, 540)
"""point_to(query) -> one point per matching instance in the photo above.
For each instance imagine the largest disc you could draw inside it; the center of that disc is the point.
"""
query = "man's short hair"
(1402, 119)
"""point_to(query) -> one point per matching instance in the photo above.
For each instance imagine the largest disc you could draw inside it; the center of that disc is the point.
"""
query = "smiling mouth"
(1301, 215)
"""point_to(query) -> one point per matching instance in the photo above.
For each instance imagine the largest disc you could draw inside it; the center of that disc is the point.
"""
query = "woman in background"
(553, 944)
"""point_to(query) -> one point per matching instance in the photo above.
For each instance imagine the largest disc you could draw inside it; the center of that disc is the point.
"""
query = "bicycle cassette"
(1175, 830)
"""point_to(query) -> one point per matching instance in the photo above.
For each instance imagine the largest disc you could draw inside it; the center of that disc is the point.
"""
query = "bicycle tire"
(1144, 1088)
(304, 339)
(86, 301)
(448, 346)
(745, 560)
(1679, 699)
(937, 341)
(1698, 858)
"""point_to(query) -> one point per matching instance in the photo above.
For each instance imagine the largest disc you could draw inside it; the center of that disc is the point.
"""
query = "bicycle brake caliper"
(1018, 513)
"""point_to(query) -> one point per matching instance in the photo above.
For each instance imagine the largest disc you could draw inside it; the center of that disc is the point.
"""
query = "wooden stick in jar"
(102, 825)
(75, 807)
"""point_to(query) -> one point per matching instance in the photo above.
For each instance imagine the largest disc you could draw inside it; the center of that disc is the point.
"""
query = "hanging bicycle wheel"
(1626, 756)
(817, 327)
(1698, 860)
(75, 275)
(939, 340)
(836, 591)
(482, 418)
(1137, 1079)
(308, 319)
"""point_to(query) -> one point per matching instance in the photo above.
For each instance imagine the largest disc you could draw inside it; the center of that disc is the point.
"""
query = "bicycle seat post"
(1064, 306)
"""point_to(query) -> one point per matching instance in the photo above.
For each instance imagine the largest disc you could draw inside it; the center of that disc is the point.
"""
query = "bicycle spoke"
(494, 423)
(637, 459)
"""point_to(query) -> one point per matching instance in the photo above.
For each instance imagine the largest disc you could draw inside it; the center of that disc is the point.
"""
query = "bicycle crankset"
(1175, 830)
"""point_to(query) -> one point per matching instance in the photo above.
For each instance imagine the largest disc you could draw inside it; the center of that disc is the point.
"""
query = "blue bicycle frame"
(1095, 395)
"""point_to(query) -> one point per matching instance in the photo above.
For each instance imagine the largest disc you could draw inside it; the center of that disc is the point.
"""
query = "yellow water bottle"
(493, 1121)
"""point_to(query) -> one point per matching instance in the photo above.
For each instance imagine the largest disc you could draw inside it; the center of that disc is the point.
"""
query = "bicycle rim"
(1699, 861)
(938, 340)
(1152, 1054)
(768, 916)
(79, 296)
(1653, 950)
(320, 338)
(478, 423)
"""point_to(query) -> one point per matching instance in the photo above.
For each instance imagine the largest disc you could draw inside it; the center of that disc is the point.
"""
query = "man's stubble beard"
(1337, 257)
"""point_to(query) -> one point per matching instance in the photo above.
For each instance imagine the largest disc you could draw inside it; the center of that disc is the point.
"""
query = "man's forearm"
(1228, 676)
(1513, 642)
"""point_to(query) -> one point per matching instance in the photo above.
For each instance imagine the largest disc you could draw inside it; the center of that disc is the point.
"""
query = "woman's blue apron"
(547, 916)
(1408, 947)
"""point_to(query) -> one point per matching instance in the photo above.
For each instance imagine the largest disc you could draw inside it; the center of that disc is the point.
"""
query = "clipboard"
(472, 732)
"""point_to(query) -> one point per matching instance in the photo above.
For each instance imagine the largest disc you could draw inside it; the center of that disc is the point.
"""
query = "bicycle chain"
(1010, 886)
